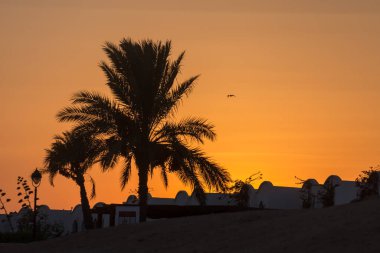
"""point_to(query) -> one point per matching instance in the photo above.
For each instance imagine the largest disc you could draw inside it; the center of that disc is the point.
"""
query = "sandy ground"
(349, 228)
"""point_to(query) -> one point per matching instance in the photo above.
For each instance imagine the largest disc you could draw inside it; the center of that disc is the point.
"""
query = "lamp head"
(36, 178)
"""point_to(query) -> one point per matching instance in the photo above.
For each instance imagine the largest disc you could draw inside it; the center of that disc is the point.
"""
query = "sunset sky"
(305, 74)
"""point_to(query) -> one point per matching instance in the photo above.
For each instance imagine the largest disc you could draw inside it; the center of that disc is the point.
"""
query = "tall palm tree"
(71, 155)
(136, 124)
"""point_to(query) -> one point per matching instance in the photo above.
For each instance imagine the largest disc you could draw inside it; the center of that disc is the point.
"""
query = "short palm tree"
(71, 155)
(136, 121)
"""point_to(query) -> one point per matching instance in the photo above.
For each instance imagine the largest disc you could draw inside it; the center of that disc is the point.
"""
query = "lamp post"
(36, 181)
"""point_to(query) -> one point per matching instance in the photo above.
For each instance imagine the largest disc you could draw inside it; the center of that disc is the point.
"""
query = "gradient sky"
(305, 74)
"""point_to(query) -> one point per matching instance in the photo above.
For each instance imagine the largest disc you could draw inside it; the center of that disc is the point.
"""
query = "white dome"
(132, 199)
(333, 179)
(181, 198)
(309, 183)
(265, 185)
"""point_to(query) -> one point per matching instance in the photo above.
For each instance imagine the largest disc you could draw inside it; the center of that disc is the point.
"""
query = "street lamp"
(36, 181)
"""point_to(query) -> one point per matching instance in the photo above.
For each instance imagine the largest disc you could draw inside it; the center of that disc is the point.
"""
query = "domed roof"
(333, 179)
(132, 199)
(77, 208)
(265, 185)
(23, 210)
(309, 183)
(181, 194)
(181, 198)
(250, 187)
(99, 204)
(43, 208)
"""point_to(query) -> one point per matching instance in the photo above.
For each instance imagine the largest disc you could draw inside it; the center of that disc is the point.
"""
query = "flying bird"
(231, 96)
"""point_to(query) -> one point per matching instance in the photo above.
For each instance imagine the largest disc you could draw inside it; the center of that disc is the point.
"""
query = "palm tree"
(136, 121)
(71, 155)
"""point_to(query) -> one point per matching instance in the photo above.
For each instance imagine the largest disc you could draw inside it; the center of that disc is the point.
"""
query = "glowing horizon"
(304, 75)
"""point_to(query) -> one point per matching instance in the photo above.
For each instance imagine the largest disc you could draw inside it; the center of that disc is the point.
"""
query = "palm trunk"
(142, 162)
(143, 191)
(88, 224)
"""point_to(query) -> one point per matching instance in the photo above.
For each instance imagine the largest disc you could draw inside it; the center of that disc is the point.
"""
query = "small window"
(127, 217)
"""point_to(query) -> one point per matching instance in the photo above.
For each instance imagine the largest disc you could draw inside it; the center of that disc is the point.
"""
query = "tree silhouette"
(136, 124)
(71, 155)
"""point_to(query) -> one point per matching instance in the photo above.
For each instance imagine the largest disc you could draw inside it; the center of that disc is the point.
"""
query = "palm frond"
(164, 176)
(172, 71)
(76, 114)
(192, 128)
(175, 96)
(119, 86)
(188, 175)
(126, 172)
(212, 174)
(110, 153)
(93, 190)
(51, 172)
(193, 161)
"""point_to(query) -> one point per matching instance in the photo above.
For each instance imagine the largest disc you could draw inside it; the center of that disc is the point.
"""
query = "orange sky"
(305, 73)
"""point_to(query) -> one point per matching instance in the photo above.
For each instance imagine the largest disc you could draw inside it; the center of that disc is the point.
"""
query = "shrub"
(327, 195)
(306, 195)
(368, 182)
(239, 190)
(24, 231)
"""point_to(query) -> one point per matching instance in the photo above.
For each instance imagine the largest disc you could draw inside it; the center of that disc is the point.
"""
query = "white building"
(277, 197)
(267, 196)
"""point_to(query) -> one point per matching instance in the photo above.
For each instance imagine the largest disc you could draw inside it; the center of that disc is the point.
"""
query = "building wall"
(276, 197)
(345, 193)
(4, 224)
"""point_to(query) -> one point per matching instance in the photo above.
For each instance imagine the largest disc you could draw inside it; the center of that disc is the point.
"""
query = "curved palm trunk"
(88, 224)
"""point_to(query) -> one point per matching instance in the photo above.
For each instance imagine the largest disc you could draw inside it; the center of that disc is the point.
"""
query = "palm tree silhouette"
(71, 155)
(136, 121)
